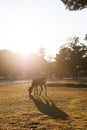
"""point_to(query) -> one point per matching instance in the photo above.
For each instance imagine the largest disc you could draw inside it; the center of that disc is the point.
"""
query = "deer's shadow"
(48, 107)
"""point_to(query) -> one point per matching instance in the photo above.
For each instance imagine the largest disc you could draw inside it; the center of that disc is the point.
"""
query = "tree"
(62, 61)
(85, 38)
(77, 57)
(7, 63)
(75, 4)
(72, 59)
(41, 52)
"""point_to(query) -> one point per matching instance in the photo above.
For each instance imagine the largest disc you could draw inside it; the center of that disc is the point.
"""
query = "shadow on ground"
(72, 85)
(48, 107)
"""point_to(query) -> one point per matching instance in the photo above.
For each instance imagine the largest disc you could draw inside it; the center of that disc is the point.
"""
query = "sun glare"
(26, 48)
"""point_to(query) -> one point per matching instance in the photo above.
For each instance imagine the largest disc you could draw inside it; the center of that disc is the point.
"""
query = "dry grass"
(65, 108)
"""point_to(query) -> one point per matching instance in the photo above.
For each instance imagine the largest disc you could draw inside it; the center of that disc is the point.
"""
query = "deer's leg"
(41, 89)
(30, 90)
(35, 90)
(45, 89)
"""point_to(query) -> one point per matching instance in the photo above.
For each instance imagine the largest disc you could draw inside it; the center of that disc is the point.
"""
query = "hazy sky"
(26, 25)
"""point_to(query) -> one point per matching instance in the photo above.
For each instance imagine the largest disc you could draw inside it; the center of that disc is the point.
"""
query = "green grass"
(65, 107)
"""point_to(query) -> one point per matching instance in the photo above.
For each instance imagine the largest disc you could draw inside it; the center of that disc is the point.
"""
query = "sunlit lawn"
(65, 108)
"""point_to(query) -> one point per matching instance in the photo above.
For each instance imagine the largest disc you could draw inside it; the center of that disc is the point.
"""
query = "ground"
(64, 107)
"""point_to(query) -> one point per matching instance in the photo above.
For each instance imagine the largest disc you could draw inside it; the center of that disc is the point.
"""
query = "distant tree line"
(70, 61)
(16, 64)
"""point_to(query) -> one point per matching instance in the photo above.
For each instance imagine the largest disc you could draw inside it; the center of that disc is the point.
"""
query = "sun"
(26, 48)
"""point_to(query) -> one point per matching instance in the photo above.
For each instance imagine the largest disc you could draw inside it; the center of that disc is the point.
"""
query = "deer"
(38, 82)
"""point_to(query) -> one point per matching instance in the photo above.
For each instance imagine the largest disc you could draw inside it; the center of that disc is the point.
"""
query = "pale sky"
(27, 25)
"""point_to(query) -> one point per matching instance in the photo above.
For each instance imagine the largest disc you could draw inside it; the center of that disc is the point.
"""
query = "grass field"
(65, 107)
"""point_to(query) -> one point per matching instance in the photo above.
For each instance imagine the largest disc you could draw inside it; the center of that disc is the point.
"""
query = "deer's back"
(39, 81)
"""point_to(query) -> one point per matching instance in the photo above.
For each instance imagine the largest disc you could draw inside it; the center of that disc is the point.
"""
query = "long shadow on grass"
(72, 85)
(48, 107)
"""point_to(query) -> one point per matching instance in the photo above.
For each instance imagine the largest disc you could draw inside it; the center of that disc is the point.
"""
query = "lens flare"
(74, 102)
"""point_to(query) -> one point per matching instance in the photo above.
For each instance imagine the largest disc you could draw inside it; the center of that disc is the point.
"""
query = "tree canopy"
(72, 59)
(75, 4)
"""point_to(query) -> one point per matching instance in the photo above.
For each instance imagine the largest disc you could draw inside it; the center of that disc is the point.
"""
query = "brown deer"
(38, 82)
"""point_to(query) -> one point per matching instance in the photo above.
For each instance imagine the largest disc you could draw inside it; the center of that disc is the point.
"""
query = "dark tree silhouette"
(75, 4)
(85, 38)
(72, 59)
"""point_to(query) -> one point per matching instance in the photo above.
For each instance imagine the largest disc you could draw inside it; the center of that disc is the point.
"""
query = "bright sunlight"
(26, 26)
